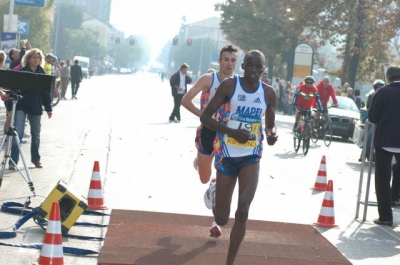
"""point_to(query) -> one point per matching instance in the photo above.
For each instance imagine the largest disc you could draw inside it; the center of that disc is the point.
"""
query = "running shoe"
(209, 195)
(215, 230)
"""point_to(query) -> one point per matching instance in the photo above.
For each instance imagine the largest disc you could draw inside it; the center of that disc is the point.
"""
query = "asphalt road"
(146, 164)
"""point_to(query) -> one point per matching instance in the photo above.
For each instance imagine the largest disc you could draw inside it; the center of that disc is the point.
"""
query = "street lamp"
(58, 19)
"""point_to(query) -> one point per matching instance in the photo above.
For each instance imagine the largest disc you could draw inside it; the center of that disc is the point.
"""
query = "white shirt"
(182, 83)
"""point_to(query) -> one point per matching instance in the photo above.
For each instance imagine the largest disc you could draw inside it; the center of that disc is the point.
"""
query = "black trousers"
(74, 87)
(383, 174)
(176, 112)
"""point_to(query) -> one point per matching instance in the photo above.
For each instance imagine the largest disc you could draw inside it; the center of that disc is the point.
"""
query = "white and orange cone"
(95, 197)
(52, 249)
(326, 216)
(321, 181)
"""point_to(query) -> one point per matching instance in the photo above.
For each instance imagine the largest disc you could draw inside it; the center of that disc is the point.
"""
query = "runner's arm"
(199, 87)
(270, 129)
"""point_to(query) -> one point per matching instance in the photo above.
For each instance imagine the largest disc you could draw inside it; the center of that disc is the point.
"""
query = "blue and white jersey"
(243, 111)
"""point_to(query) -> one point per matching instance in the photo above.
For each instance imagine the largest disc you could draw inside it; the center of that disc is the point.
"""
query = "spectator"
(16, 55)
(3, 94)
(76, 78)
(358, 100)
(345, 87)
(179, 82)
(385, 113)
(265, 79)
(65, 76)
(289, 98)
(276, 87)
(48, 64)
(30, 106)
(350, 93)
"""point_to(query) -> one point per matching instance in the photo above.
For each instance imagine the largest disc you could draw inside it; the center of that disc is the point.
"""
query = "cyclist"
(325, 91)
(305, 97)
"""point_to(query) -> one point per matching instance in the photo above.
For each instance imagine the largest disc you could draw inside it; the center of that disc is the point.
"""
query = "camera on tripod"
(18, 81)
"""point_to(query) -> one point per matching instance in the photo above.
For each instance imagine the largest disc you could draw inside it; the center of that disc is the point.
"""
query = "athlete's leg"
(223, 198)
(204, 166)
(248, 181)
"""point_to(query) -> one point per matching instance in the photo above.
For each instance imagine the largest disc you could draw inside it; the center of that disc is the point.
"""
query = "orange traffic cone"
(95, 197)
(326, 216)
(321, 181)
(52, 249)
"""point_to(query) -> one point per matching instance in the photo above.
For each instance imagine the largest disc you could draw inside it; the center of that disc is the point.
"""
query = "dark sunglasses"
(310, 83)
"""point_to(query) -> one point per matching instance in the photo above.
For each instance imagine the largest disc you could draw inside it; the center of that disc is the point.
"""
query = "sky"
(158, 21)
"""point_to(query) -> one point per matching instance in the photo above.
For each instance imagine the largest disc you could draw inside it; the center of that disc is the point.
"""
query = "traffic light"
(131, 42)
(117, 40)
(175, 41)
(189, 42)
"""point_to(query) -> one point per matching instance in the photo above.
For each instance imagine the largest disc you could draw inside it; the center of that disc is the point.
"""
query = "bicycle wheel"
(56, 97)
(314, 133)
(306, 138)
(327, 132)
(297, 139)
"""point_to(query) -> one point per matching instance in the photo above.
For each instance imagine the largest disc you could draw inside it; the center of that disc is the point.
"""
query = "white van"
(84, 62)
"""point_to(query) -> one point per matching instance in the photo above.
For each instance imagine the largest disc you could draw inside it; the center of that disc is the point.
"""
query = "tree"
(363, 33)
(70, 20)
(274, 27)
(361, 30)
(80, 41)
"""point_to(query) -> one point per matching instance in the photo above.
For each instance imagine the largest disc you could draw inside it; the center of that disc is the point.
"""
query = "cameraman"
(16, 55)
(31, 106)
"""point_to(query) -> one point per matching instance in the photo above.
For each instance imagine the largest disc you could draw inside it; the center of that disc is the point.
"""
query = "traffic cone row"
(326, 216)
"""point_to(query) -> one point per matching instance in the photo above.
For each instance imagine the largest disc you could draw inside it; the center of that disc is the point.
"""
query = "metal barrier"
(366, 201)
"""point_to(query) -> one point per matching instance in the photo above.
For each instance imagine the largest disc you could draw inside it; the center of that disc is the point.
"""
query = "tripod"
(10, 135)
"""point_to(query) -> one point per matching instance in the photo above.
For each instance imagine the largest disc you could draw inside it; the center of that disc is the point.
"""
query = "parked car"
(344, 117)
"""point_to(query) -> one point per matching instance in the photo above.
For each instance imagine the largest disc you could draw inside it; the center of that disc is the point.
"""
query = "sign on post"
(8, 41)
(23, 27)
(30, 2)
(303, 60)
(6, 22)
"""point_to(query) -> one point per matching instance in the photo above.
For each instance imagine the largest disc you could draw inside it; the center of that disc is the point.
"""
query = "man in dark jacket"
(385, 113)
(178, 82)
(76, 78)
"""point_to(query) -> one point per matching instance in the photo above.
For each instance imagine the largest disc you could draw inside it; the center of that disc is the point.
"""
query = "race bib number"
(253, 129)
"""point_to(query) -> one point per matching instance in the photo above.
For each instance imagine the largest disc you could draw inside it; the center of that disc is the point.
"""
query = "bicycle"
(303, 131)
(324, 129)
(56, 94)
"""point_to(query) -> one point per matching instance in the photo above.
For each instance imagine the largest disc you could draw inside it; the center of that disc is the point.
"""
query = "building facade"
(99, 9)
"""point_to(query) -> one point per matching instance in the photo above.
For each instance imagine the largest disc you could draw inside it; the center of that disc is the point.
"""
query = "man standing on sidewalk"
(65, 75)
(385, 113)
(179, 82)
(76, 78)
